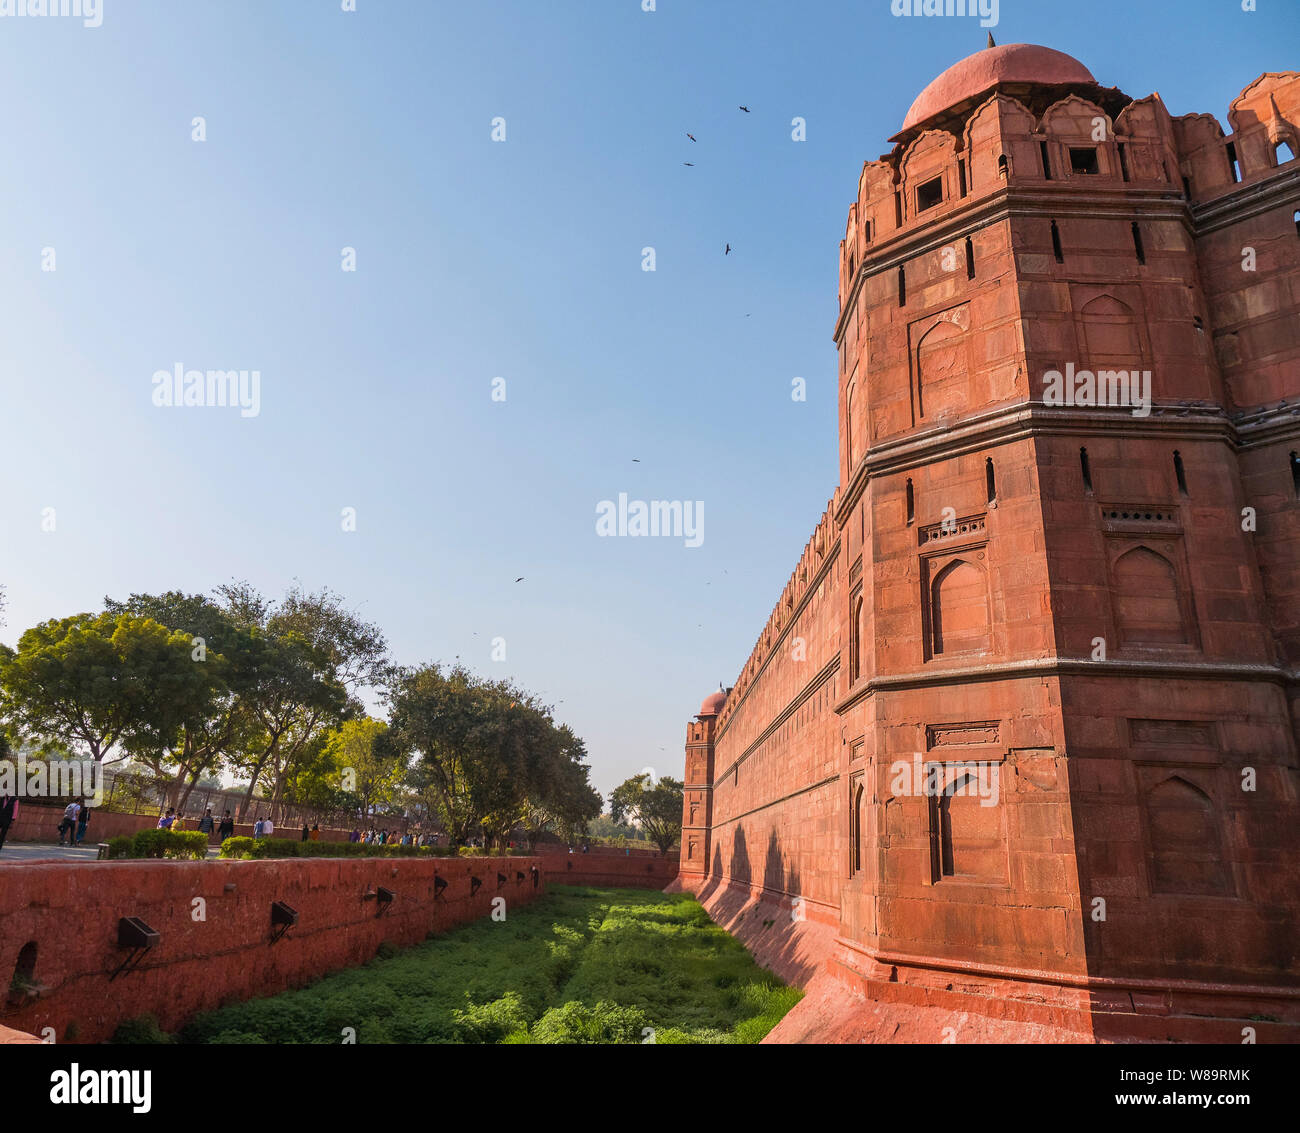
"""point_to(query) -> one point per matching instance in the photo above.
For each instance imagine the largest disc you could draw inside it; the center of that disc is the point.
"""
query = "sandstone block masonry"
(59, 925)
(1099, 606)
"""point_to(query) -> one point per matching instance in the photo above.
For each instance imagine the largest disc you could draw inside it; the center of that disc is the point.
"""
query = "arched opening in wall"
(1148, 605)
(1056, 244)
(1002, 166)
(1086, 470)
(855, 638)
(851, 267)
(855, 845)
(24, 977)
(1282, 153)
(959, 609)
(911, 498)
(1184, 839)
(866, 230)
(1295, 216)
(942, 366)
(1180, 473)
(1295, 475)
(849, 437)
(1137, 243)
(967, 834)
(1109, 329)
(970, 259)
(961, 176)
(990, 483)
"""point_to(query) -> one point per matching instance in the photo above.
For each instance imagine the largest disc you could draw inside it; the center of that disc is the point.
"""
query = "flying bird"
(728, 251)
(745, 109)
(636, 460)
(691, 136)
(690, 163)
(520, 578)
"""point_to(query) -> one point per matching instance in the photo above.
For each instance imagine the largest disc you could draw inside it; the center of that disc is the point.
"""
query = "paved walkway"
(24, 853)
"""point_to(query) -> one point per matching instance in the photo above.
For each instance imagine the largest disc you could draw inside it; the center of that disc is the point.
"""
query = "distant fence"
(132, 791)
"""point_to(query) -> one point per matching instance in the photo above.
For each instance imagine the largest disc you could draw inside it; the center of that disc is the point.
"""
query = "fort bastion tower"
(1018, 742)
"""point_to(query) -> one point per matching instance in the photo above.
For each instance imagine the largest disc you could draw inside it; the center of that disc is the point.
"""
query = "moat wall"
(60, 926)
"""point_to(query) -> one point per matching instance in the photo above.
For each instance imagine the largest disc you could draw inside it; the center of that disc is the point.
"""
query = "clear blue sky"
(475, 259)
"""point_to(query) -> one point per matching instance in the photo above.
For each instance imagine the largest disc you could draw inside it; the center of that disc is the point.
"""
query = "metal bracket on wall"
(133, 934)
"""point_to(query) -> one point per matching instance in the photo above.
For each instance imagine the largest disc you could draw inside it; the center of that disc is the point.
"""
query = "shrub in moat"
(580, 965)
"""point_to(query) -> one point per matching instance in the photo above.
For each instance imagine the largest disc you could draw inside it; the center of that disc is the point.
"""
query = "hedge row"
(159, 844)
(257, 848)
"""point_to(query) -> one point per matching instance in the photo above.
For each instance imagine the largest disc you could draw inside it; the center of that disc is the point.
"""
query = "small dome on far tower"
(712, 704)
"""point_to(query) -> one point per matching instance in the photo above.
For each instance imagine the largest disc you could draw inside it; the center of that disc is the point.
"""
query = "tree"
(96, 681)
(366, 778)
(437, 719)
(565, 800)
(486, 755)
(655, 807)
(314, 655)
(208, 739)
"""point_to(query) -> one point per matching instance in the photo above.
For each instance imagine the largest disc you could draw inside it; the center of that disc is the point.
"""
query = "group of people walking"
(374, 837)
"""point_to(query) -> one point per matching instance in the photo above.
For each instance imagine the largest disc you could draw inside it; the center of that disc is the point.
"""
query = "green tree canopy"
(97, 681)
(656, 807)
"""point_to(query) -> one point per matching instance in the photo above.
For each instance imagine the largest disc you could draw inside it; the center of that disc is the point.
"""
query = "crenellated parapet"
(811, 562)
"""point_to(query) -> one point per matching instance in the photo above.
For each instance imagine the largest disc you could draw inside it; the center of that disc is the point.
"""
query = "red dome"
(712, 705)
(981, 72)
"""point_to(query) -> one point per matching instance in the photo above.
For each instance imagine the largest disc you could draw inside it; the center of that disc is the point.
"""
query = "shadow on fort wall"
(762, 921)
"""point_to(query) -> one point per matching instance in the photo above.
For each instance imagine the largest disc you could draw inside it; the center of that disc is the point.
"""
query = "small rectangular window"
(1123, 161)
(1056, 244)
(1233, 164)
(961, 176)
(1137, 243)
(1083, 159)
(1047, 165)
(929, 194)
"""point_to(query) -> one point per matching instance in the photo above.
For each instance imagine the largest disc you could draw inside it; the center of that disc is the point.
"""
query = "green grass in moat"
(581, 965)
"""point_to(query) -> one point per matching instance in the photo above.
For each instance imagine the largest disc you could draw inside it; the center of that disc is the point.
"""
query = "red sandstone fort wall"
(69, 913)
(611, 868)
(1102, 605)
(778, 749)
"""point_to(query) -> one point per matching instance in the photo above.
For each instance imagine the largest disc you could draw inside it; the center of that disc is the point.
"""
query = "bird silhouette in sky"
(728, 251)
(745, 109)
(690, 163)
(520, 578)
(636, 460)
(691, 136)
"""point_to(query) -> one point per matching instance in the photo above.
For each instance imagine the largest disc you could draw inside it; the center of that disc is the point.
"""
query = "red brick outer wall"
(71, 910)
(616, 870)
